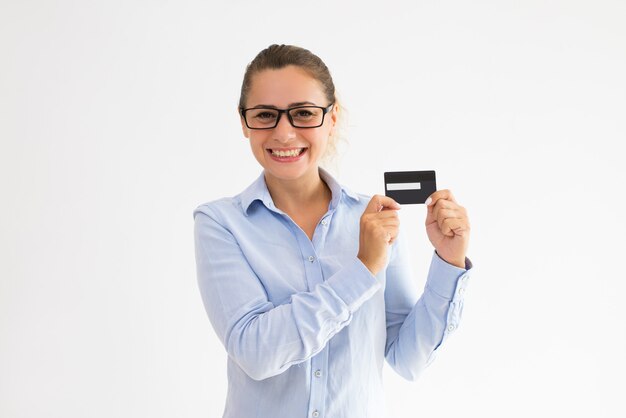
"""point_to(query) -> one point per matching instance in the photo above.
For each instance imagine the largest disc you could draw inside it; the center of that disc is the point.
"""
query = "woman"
(307, 284)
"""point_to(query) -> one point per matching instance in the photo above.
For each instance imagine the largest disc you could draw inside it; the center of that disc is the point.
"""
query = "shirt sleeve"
(416, 328)
(263, 339)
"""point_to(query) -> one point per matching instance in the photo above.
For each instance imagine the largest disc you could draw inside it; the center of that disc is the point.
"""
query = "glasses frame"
(325, 110)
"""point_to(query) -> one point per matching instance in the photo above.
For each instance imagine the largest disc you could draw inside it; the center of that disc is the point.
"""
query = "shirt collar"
(258, 191)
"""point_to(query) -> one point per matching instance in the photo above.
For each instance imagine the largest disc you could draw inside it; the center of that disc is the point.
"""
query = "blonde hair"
(279, 56)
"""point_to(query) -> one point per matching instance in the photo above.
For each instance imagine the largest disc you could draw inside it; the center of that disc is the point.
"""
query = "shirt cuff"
(443, 277)
(354, 284)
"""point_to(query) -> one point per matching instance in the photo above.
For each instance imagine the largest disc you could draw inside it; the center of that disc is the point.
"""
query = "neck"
(290, 195)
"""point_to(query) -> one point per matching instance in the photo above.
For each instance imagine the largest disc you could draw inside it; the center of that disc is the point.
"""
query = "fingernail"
(428, 201)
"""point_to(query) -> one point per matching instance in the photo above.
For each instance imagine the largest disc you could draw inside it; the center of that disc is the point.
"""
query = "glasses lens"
(261, 118)
(307, 117)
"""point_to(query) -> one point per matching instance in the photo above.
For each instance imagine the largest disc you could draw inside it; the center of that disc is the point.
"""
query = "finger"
(387, 233)
(380, 202)
(444, 214)
(433, 211)
(386, 214)
(374, 223)
(388, 224)
(391, 226)
(440, 194)
(445, 205)
(377, 217)
(454, 226)
(392, 234)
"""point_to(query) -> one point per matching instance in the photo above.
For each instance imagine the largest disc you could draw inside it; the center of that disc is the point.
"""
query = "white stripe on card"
(404, 186)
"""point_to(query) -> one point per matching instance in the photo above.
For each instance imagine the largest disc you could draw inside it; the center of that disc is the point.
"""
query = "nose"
(284, 131)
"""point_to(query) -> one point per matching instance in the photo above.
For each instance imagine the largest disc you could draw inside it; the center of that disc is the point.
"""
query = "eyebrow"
(290, 105)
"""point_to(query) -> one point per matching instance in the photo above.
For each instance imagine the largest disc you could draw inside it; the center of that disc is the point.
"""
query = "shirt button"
(461, 291)
(318, 373)
(315, 413)
(324, 222)
(311, 258)
(451, 327)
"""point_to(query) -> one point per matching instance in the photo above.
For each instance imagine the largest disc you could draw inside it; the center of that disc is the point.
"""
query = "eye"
(304, 114)
(264, 115)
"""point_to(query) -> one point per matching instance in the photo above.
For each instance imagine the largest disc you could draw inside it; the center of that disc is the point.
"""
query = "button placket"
(318, 376)
(461, 285)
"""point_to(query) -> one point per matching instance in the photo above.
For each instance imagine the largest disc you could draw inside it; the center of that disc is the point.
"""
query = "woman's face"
(283, 88)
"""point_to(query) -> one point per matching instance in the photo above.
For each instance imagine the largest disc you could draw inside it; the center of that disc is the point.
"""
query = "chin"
(285, 174)
(288, 173)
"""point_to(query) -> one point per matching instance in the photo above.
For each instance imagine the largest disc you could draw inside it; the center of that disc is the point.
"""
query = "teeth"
(290, 153)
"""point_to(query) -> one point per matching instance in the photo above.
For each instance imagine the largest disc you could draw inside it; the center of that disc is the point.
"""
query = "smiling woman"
(281, 56)
(307, 328)
(275, 140)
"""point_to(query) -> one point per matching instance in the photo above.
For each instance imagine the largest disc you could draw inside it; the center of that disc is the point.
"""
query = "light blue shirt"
(305, 324)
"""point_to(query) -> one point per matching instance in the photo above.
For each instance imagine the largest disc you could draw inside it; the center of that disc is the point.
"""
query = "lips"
(287, 154)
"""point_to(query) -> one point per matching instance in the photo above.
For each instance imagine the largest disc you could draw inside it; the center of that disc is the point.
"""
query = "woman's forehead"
(284, 87)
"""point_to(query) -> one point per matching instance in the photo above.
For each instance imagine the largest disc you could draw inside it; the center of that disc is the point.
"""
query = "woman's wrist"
(455, 262)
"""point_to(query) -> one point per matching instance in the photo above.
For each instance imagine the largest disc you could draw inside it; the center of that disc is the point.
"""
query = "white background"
(117, 118)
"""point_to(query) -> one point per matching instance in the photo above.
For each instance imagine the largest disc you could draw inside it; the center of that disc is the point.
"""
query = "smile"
(282, 153)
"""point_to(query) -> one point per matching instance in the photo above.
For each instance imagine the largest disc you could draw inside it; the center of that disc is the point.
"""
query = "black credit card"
(410, 186)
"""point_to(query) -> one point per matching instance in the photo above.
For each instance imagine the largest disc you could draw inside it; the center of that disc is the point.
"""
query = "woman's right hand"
(379, 228)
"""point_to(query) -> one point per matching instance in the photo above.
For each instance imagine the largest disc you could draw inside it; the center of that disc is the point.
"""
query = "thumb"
(380, 202)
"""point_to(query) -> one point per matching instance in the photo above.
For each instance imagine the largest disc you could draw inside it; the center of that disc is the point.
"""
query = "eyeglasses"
(299, 116)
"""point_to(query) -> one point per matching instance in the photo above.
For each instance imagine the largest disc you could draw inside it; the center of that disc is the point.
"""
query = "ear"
(334, 116)
(244, 128)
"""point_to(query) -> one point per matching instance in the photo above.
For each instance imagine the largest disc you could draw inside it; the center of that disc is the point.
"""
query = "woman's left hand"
(448, 228)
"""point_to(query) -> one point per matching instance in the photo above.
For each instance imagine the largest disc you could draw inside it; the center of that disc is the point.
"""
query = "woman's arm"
(263, 339)
(416, 328)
